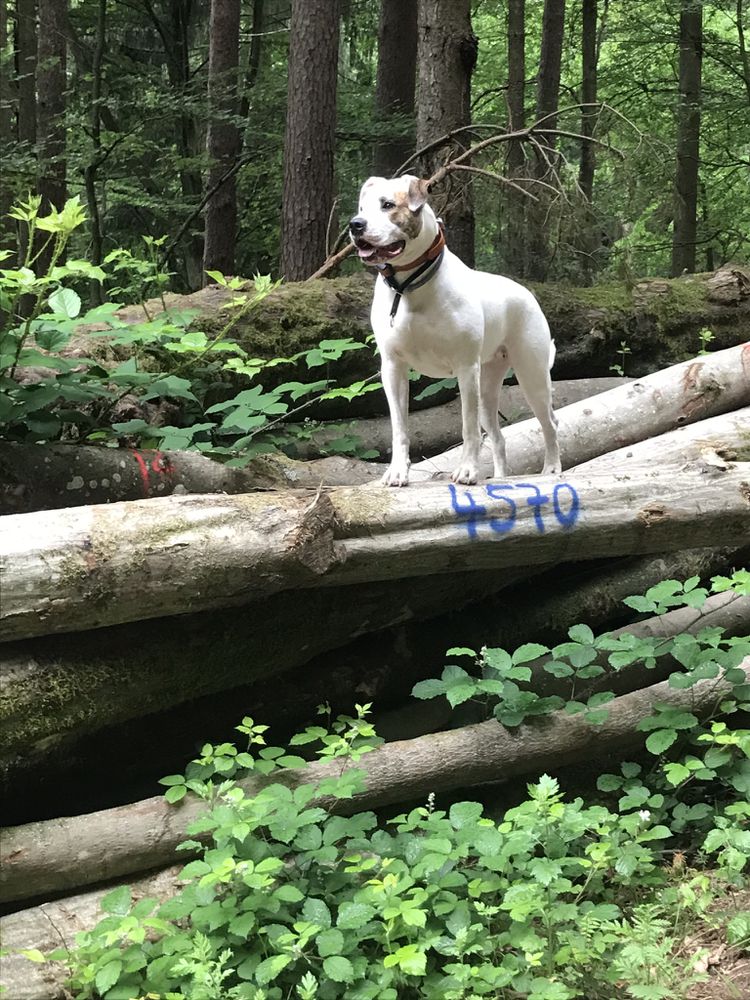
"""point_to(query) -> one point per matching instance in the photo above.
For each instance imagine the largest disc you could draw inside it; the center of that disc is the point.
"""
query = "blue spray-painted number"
(566, 506)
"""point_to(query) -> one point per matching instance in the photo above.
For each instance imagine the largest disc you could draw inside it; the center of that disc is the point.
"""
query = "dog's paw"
(466, 473)
(397, 475)
(552, 469)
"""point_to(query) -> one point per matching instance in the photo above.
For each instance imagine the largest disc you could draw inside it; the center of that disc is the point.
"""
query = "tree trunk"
(68, 853)
(51, 100)
(7, 130)
(676, 396)
(92, 167)
(309, 138)
(547, 98)
(26, 62)
(446, 56)
(588, 241)
(223, 139)
(395, 83)
(515, 234)
(89, 567)
(688, 138)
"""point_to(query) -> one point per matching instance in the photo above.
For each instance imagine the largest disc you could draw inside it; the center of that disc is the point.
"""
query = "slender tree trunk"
(51, 87)
(587, 165)
(515, 248)
(309, 139)
(26, 59)
(92, 167)
(744, 57)
(547, 98)
(446, 56)
(175, 35)
(252, 68)
(7, 137)
(223, 141)
(396, 81)
(588, 97)
(688, 138)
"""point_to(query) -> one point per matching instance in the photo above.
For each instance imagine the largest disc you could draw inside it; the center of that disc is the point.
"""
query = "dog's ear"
(419, 189)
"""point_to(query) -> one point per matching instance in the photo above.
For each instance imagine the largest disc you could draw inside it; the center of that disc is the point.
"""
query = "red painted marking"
(144, 473)
(162, 464)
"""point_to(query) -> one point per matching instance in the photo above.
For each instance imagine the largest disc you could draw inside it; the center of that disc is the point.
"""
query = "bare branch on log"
(71, 852)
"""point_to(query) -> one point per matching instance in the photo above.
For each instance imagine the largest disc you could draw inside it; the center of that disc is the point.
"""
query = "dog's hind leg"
(490, 385)
(531, 368)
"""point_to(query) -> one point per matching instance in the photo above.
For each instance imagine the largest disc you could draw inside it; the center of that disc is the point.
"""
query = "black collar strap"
(411, 282)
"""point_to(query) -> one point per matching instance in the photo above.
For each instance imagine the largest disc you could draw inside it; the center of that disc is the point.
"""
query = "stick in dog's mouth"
(371, 254)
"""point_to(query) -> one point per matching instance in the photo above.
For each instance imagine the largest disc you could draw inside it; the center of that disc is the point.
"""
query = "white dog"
(432, 313)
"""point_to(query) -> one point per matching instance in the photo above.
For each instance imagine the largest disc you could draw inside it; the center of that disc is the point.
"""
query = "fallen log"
(725, 438)
(72, 703)
(47, 477)
(55, 924)
(43, 858)
(435, 429)
(683, 394)
(87, 567)
(57, 688)
(658, 319)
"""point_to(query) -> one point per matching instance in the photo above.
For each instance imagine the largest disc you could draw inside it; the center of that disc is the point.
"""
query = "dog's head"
(390, 216)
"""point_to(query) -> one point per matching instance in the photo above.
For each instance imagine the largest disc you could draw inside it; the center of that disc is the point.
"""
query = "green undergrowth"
(57, 385)
(293, 893)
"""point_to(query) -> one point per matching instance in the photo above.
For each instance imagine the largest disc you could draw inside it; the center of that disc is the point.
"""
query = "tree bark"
(309, 139)
(395, 84)
(47, 477)
(683, 394)
(89, 567)
(91, 169)
(688, 138)
(587, 166)
(51, 101)
(446, 57)
(223, 140)
(515, 235)
(59, 688)
(547, 98)
(55, 924)
(725, 438)
(69, 853)
(7, 125)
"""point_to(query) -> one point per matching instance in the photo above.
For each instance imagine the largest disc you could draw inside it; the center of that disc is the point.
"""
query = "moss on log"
(658, 319)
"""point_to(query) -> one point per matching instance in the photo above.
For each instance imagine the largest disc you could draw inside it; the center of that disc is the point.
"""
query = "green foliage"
(558, 900)
(49, 391)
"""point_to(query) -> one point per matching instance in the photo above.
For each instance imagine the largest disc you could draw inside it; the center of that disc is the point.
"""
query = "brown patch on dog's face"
(402, 216)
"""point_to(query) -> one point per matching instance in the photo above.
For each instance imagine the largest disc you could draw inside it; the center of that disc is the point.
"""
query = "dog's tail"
(552, 352)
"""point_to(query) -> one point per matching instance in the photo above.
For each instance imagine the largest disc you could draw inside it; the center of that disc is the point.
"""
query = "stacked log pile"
(97, 597)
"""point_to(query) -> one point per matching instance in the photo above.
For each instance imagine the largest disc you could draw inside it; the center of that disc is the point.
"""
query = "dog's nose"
(357, 225)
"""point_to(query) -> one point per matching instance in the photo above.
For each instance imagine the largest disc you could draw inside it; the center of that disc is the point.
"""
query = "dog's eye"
(387, 205)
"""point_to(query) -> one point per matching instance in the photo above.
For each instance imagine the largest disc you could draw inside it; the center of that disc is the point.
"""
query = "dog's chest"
(427, 333)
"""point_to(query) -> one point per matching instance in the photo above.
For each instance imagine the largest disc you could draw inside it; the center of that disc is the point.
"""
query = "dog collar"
(432, 256)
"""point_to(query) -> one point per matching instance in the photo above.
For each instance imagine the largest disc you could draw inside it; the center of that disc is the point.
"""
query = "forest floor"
(729, 970)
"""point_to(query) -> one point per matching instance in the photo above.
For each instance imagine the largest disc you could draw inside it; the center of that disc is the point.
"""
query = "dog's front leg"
(468, 384)
(395, 376)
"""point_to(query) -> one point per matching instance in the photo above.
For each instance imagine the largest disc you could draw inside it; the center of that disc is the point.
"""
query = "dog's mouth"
(371, 254)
